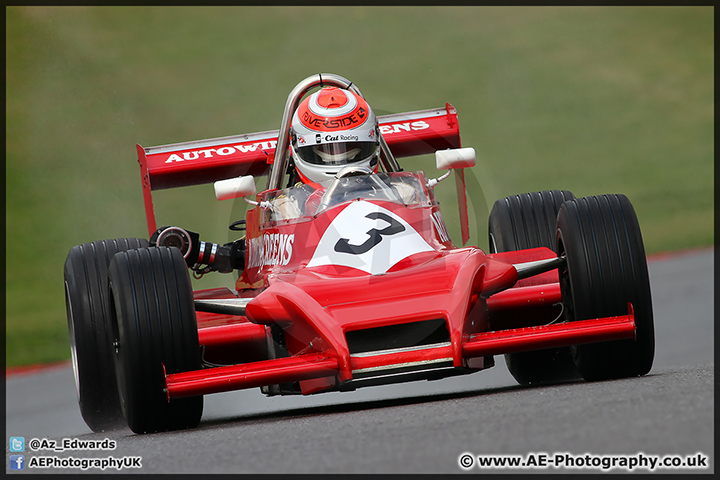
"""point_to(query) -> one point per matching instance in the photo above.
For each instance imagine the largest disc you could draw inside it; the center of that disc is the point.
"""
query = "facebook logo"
(17, 444)
(17, 462)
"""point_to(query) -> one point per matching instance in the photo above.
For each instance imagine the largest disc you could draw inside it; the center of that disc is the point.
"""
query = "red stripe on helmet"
(328, 122)
(331, 98)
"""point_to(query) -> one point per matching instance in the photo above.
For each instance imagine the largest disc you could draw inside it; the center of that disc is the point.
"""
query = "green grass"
(590, 99)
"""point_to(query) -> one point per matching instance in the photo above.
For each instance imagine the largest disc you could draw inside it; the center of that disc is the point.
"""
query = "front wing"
(321, 365)
(323, 359)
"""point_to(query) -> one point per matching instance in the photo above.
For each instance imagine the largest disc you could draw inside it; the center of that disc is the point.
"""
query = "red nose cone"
(331, 98)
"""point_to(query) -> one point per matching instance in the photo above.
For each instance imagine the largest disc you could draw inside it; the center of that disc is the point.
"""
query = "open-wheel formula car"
(349, 282)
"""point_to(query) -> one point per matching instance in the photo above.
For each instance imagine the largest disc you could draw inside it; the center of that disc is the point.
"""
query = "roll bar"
(279, 166)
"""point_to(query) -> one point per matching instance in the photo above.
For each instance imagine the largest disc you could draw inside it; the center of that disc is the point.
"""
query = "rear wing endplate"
(205, 161)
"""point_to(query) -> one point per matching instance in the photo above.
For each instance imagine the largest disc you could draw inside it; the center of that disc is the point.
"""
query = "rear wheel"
(606, 269)
(154, 325)
(88, 315)
(526, 221)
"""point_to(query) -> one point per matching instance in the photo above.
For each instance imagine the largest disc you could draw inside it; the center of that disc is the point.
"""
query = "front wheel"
(606, 270)
(154, 324)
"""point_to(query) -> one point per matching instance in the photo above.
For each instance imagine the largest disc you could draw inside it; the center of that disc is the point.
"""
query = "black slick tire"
(154, 325)
(527, 221)
(88, 314)
(606, 269)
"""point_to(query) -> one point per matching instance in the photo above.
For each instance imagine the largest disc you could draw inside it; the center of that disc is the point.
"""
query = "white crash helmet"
(330, 129)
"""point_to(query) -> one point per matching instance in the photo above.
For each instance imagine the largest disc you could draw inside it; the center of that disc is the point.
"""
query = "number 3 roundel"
(367, 237)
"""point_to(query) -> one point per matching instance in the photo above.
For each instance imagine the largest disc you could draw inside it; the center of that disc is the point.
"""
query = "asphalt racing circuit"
(427, 426)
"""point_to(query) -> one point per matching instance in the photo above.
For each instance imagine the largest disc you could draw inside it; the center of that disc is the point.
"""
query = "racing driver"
(331, 129)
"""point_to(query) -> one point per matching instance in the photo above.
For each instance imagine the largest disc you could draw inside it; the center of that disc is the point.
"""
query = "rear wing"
(205, 161)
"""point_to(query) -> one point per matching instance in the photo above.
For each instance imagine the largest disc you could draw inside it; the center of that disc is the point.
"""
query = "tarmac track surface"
(425, 426)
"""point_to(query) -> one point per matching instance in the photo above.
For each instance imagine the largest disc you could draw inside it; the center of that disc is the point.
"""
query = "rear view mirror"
(455, 158)
(235, 187)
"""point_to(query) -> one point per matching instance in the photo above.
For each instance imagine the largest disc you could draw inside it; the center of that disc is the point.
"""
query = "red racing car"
(348, 281)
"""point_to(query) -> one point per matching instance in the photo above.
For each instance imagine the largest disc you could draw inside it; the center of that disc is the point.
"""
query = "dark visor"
(336, 153)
